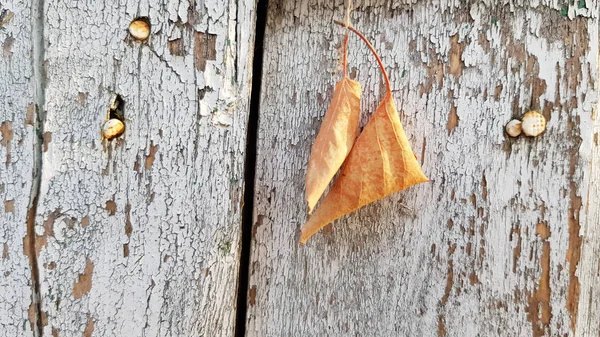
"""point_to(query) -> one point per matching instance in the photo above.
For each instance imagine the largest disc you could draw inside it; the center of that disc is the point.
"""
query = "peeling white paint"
(17, 139)
(382, 272)
(162, 199)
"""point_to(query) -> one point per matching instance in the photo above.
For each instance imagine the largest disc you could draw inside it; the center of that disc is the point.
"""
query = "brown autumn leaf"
(336, 136)
(380, 163)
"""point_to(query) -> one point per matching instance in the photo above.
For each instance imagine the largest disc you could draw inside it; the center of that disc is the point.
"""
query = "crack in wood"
(30, 244)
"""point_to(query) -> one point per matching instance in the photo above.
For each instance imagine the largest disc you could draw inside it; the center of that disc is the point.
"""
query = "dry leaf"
(334, 141)
(336, 137)
(380, 163)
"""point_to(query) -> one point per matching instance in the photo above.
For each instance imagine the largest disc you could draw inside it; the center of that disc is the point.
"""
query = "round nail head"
(513, 128)
(533, 123)
(112, 128)
(139, 29)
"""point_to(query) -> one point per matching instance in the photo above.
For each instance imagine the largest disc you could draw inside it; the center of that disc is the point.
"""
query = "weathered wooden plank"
(142, 233)
(492, 245)
(17, 158)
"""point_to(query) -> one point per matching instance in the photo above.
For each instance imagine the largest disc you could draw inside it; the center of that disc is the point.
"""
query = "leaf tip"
(303, 238)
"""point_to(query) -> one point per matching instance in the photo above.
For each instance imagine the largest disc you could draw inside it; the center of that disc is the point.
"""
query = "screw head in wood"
(140, 29)
(533, 123)
(112, 128)
(513, 128)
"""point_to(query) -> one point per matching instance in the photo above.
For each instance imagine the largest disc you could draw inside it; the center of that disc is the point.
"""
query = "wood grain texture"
(17, 144)
(504, 239)
(141, 234)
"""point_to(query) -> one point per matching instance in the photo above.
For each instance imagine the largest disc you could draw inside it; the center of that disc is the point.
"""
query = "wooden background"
(142, 236)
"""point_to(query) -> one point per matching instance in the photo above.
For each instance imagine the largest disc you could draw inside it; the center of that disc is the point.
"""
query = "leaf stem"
(355, 31)
(346, 55)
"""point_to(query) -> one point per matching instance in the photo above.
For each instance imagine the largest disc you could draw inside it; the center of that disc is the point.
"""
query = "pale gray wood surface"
(141, 234)
(17, 157)
(504, 239)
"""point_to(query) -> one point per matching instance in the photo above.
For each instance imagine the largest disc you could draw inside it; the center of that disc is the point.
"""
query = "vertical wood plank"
(17, 143)
(503, 240)
(142, 233)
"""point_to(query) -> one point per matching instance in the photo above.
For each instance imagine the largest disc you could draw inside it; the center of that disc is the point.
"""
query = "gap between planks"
(250, 169)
